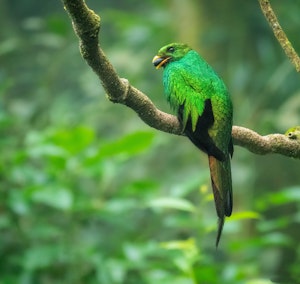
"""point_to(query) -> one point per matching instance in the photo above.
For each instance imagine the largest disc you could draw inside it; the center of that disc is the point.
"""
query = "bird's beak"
(159, 61)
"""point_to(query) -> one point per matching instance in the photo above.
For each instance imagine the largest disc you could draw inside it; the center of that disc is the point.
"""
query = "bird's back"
(193, 88)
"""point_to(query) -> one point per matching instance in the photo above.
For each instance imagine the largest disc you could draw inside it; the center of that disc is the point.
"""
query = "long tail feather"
(220, 229)
(220, 173)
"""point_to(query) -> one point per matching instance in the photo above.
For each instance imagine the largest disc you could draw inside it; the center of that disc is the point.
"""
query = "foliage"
(89, 194)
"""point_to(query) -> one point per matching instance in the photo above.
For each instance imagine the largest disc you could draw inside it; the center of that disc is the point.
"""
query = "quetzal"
(202, 103)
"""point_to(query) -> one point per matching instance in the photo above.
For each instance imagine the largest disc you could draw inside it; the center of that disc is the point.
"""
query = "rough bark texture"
(279, 33)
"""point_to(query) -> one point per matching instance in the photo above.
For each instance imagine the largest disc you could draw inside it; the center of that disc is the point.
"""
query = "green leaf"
(259, 281)
(129, 145)
(244, 215)
(286, 195)
(57, 197)
(40, 256)
(172, 203)
(188, 244)
(73, 140)
(277, 239)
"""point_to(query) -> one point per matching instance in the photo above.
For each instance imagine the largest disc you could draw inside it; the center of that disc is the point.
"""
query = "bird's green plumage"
(202, 103)
(293, 133)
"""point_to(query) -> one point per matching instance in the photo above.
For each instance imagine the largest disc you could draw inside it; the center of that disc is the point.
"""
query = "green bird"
(293, 133)
(203, 106)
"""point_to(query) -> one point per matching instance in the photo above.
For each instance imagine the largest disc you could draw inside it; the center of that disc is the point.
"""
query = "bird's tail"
(220, 173)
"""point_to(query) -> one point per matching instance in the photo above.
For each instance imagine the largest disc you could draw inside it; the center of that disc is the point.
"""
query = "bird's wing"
(190, 90)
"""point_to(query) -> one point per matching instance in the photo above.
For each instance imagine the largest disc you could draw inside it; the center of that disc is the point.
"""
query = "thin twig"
(279, 33)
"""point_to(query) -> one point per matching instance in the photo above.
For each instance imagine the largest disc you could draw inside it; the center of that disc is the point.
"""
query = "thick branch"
(86, 25)
(279, 33)
(273, 143)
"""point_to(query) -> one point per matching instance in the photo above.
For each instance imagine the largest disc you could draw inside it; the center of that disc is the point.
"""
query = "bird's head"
(169, 53)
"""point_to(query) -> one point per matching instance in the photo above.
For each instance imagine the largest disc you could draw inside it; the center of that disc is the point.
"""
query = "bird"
(203, 106)
(293, 133)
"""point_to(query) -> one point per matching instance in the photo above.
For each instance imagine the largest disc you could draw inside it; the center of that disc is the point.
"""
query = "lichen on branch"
(86, 24)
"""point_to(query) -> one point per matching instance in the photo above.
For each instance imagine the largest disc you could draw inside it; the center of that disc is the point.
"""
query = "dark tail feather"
(220, 229)
(220, 173)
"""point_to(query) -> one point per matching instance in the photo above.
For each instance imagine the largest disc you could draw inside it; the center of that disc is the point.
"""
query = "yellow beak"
(159, 61)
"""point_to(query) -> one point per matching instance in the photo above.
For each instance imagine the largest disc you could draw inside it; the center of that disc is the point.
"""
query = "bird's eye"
(171, 49)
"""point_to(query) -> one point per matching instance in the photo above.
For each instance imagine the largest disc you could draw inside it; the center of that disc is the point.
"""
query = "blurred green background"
(90, 194)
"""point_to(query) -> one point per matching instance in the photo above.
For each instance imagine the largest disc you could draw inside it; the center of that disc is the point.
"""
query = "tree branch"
(279, 33)
(86, 25)
(272, 143)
